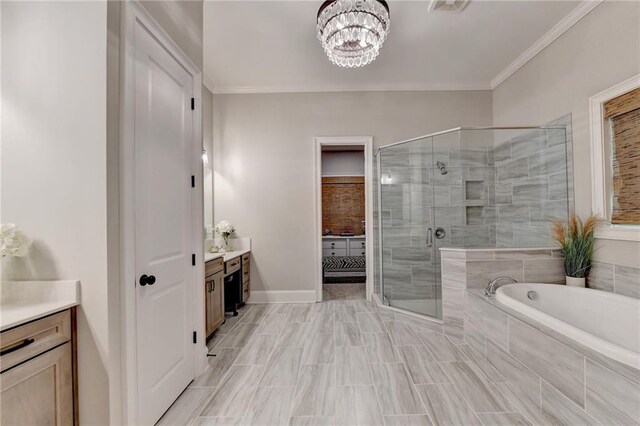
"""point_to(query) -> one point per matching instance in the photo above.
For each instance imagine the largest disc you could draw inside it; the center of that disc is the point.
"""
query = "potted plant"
(576, 241)
(224, 229)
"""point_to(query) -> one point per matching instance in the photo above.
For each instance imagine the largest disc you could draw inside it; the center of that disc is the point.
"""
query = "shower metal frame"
(457, 129)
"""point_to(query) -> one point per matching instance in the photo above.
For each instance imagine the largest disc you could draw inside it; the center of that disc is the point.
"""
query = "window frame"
(601, 176)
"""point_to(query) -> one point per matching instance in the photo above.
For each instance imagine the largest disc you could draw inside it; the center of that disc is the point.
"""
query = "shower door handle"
(429, 237)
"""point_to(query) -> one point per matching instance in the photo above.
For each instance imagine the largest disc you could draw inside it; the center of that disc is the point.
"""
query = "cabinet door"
(207, 307)
(217, 301)
(39, 391)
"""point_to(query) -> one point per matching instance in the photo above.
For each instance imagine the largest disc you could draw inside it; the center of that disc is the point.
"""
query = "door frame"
(367, 143)
(133, 13)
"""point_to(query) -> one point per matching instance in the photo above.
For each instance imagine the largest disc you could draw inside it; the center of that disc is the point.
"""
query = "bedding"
(336, 269)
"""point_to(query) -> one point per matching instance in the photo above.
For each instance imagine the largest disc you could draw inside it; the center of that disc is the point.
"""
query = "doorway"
(343, 207)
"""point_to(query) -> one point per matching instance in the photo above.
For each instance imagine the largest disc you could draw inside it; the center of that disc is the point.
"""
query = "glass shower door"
(409, 263)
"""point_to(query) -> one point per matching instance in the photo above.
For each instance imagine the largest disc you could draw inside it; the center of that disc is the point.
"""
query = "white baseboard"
(283, 296)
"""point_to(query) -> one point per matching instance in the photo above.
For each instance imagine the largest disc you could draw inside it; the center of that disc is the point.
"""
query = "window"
(615, 145)
(622, 121)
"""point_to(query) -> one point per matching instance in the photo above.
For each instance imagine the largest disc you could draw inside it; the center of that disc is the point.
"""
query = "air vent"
(447, 5)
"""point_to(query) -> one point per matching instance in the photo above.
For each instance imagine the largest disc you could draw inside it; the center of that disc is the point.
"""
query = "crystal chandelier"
(352, 31)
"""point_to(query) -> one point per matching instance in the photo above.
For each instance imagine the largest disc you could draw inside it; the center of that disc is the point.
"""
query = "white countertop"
(227, 256)
(342, 236)
(24, 301)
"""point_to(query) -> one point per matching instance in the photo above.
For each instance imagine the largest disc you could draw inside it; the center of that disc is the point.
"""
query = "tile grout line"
(585, 382)
(295, 386)
(494, 383)
(224, 376)
(375, 387)
(567, 399)
(397, 351)
(264, 371)
(458, 390)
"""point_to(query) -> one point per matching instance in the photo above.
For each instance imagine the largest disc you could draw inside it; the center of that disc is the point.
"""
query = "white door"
(163, 142)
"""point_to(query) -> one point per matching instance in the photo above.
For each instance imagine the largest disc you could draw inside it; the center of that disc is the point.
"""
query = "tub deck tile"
(611, 397)
(556, 363)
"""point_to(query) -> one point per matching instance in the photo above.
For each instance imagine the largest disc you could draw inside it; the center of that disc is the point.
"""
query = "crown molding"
(560, 28)
(206, 81)
(231, 90)
(538, 46)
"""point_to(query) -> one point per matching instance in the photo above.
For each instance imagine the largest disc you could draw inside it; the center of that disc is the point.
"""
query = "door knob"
(144, 280)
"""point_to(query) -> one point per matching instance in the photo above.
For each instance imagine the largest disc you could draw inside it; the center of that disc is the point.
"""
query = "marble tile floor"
(338, 362)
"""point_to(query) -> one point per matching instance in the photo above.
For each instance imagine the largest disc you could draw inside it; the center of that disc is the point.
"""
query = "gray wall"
(598, 52)
(264, 160)
(60, 122)
(342, 163)
(54, 165)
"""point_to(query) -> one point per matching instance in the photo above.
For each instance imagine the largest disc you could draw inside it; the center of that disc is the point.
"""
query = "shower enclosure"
(466, 187)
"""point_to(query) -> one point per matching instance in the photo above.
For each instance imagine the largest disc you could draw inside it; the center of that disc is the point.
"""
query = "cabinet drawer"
(232, 266)
(246, 289)
(214, 266)
(357, 244)
(246, 273)
(357, 252)
(334, 244)
(245, 258)
(28, 340)
(334, 252)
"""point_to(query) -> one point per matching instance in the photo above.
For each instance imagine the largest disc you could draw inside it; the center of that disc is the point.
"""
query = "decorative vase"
(575, 282)
(226, 247)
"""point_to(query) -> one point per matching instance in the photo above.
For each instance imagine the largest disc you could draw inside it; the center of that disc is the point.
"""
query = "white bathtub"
(605, 322)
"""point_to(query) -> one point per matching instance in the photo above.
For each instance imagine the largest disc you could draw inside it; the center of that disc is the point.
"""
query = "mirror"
(207, 159)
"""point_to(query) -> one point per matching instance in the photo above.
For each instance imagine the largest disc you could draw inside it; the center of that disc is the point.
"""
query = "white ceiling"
(271, 46)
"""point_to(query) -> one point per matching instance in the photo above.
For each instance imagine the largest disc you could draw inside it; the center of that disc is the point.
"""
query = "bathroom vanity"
(38, 364)
(227, 285)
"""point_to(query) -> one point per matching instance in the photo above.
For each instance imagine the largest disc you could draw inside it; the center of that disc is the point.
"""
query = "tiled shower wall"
(534, 185)
(617, 279)
(413, 191)
(501, 189)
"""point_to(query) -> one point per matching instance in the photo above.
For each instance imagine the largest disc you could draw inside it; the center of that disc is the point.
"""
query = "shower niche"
(479, 187)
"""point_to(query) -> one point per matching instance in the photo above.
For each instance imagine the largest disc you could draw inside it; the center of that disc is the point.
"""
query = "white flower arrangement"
(12, 241)
(224, 229)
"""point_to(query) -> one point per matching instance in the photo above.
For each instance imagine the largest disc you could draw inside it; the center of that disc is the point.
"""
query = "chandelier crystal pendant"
(352, 31)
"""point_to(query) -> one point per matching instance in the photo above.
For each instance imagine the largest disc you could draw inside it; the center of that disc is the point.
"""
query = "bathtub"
(604, 322)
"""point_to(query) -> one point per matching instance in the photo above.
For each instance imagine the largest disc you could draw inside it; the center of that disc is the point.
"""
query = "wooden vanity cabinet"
(214, 295)
(246, 277)
(38, 380)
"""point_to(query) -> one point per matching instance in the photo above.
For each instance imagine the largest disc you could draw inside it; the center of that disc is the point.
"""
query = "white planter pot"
(575, 282)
